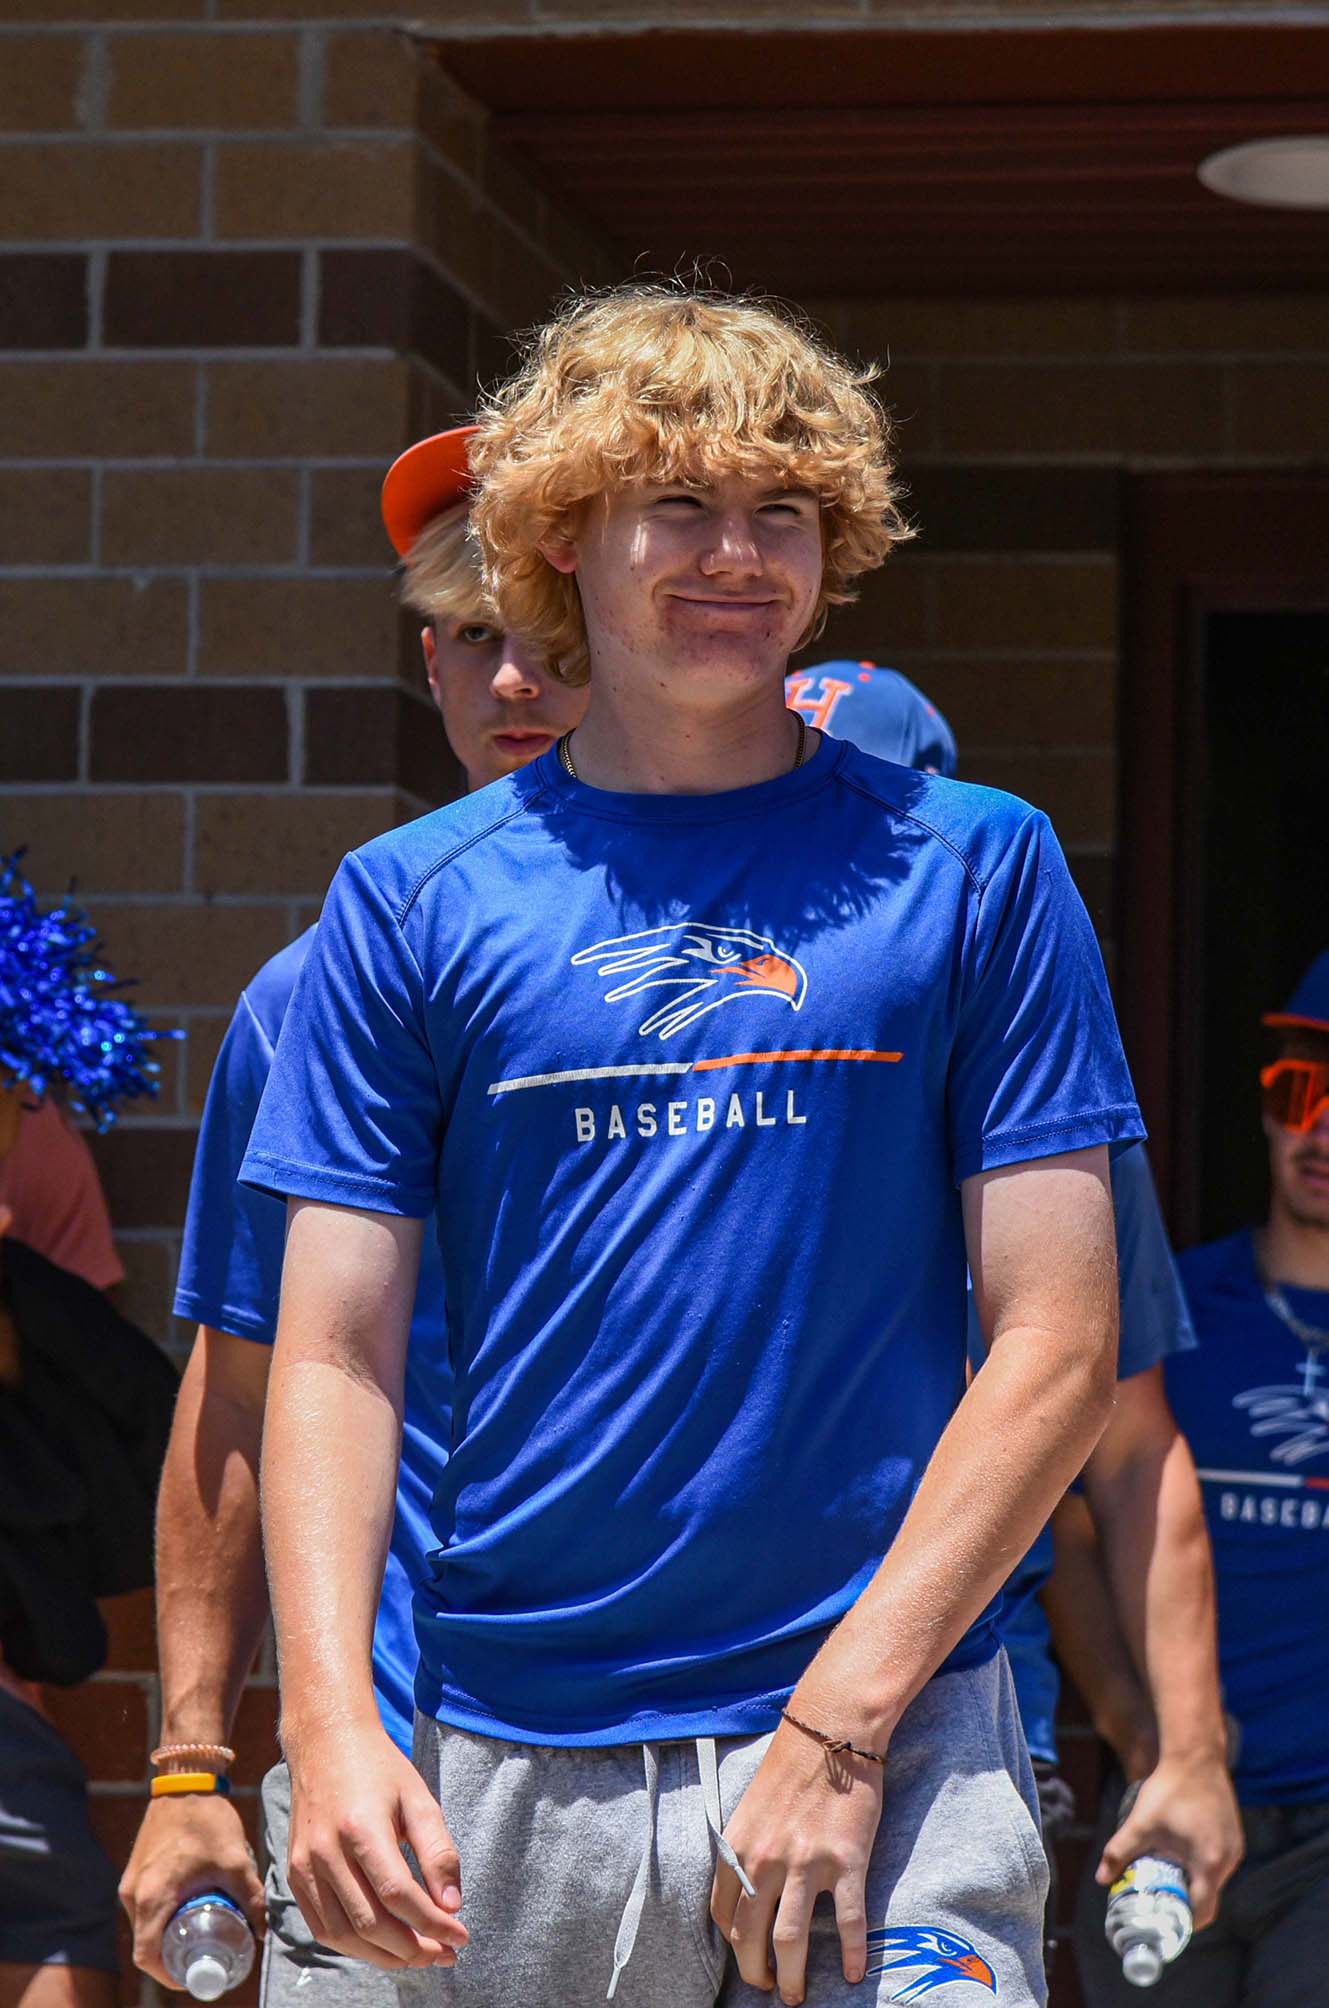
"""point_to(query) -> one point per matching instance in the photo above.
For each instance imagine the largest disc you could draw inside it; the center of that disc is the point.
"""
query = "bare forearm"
(1017, 1439)
(329, 1464)
(211, 1595)
(1160, 1566)
(330, 1453)
(1089, 1641)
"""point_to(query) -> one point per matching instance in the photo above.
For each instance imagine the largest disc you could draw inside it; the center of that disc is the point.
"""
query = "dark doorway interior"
(1223, 867)
(1260, 803)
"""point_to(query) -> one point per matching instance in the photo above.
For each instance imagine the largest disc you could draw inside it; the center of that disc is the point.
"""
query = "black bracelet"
(834, 1746)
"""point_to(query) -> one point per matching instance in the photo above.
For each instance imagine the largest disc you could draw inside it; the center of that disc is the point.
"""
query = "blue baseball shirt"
(1254, 1402)
(1155, 1325)
(690, 1084)
(230, 1278)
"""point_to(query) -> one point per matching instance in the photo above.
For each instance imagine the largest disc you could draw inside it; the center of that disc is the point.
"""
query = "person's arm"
(211, 1608)
(1041, 1252)
(1145, 1498)
(330, 1453)
(1088, 1640)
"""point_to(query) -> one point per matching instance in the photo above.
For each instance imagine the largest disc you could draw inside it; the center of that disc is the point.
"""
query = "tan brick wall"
(243, 261)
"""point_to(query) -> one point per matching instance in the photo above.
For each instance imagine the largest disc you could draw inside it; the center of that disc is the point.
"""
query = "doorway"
(1224, 840)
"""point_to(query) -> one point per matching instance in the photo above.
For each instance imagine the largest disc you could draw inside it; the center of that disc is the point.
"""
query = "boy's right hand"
(355, 1802)
(186, 1844)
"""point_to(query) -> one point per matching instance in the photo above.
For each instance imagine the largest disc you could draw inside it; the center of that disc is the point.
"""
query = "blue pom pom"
(60, 1029)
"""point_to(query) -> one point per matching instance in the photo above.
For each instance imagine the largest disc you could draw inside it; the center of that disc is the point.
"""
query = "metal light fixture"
(1291, 172)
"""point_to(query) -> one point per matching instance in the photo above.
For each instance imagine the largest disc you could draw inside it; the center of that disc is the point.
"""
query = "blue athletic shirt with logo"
(230, 1278)
(690, 1083)
(1155, 1324)
(1254, 1402)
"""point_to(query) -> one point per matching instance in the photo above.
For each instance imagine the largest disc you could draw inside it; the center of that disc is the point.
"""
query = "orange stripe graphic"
(751, 1059)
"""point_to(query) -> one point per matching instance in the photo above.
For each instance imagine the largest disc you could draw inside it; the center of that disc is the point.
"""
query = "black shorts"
(57, 1887)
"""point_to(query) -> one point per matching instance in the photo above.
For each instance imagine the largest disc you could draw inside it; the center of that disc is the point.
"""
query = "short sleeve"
(351, 1113)
(230, 1264)
(1037, 1066)
(1155, 1321)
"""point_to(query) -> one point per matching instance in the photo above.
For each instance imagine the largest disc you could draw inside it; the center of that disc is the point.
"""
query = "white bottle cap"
(206, 1978)
(1141, 1965)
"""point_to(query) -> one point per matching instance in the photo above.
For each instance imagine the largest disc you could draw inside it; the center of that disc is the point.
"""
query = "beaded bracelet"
(834, 1746)
(218, 1754)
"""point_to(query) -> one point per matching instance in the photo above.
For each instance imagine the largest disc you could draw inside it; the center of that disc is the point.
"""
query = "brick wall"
(249, 248)
(242, 264)
(1020, 423)
(245, 265)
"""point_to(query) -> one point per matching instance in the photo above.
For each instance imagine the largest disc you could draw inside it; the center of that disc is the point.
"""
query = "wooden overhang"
(871, 162)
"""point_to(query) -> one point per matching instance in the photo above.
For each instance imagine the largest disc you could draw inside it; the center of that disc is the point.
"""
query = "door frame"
(1193, 544)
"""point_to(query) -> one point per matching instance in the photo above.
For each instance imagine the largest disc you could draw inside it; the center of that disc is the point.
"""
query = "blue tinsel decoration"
(61, 1030)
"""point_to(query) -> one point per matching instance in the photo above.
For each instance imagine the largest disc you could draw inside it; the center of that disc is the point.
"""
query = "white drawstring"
(708, 1764)
(636, 1903)
(708, 1767)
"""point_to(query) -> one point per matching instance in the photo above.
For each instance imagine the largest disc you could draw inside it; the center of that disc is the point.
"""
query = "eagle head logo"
(695, 969)
(941, 1957)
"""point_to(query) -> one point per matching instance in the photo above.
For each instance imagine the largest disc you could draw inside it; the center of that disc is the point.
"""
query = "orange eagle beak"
(974, 1968)
(771, 972)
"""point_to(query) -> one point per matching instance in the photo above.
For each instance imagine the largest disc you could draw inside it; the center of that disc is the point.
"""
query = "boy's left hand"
(806, 1823)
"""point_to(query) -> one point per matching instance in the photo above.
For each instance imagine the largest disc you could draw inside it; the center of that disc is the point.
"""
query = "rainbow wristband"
(213, 1782)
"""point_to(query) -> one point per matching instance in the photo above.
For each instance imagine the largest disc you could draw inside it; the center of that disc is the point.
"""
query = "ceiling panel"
(880, 163)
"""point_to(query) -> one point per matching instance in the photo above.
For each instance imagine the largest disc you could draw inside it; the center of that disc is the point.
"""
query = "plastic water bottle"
(208, 1946)
(1149, 1920)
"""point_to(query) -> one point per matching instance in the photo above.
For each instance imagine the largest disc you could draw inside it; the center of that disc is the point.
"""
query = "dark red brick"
(43, 300)
(145, 1173)
(1015, 508)
(254, 1734)
(144, 732)
(377, 737)
(105, 1722)
(202, 299)
(131, 1627)
(115, 1818)
(38, 733)
(392, 299)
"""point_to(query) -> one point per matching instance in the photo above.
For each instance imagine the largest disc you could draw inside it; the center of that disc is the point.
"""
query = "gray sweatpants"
(563, 1849)
(296, 1968)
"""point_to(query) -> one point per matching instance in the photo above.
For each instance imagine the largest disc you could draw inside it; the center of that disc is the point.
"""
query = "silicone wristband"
(175, 1782)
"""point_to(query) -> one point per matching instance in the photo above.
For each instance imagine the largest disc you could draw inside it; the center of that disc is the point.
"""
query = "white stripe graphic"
(590, 1074)
(1252, 1478)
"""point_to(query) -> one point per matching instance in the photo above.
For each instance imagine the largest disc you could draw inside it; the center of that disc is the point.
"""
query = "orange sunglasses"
(1296, 1092)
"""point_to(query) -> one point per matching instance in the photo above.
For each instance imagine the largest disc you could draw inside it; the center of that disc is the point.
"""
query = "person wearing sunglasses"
(1253, 1399)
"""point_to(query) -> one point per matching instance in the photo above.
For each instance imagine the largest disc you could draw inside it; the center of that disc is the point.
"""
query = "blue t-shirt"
(1254, 1402)
(230, 1278)
(1155, 1324)
(690, 1083)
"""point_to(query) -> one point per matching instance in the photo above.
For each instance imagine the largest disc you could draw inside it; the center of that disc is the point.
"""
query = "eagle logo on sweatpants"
(698, 967)
(941, 1956)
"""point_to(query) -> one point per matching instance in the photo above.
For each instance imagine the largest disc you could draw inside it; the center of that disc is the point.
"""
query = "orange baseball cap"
(431, 476)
